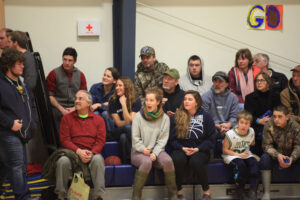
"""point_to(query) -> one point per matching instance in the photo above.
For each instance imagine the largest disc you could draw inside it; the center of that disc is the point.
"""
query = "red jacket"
(88, 133)
(234, 81)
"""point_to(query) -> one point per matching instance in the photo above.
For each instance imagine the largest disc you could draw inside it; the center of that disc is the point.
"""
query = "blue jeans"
(109, 123)
(13, 157)
(123, 134)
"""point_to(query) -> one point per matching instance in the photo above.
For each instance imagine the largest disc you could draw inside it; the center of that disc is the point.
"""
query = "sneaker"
(206, 197)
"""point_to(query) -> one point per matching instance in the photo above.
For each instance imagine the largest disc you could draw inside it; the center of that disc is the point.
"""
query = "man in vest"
(63, 82)
(290, 96)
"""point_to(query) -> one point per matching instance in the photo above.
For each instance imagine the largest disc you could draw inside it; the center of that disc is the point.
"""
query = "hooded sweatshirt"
(222, 108)
(201, 134)
(202, 85)
(13, 106)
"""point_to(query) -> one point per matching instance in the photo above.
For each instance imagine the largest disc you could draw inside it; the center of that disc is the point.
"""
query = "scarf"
(149, 116)
(246, 87)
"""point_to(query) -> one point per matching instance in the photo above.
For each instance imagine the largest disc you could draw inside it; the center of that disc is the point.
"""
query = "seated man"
(221, 103)
(82, 132)
(261, 61)
(173, 95)
(290, 96)
(149, 72)
(281, 144)
(195, 79)
(62, 83)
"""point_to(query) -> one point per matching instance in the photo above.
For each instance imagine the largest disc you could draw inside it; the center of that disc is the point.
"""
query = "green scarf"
(152, 116)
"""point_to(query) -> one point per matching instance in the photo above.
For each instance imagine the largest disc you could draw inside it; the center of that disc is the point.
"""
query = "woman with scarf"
(241, 77)
(150, 133)
(123, 105)
(192, 138)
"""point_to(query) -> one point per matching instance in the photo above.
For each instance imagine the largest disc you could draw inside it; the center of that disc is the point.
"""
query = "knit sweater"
(153, 134)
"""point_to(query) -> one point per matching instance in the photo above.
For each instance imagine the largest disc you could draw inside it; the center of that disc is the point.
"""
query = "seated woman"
(260, 101)
(150, 133)
(122, 107)
(241, 77)
(101, 92)
(193, 137)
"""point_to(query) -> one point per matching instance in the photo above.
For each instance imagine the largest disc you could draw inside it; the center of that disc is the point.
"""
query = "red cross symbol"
(89, 27)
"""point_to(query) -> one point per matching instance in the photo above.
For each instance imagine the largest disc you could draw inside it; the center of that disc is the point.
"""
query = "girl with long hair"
(192, 138)
(122, 107)
(150, 133)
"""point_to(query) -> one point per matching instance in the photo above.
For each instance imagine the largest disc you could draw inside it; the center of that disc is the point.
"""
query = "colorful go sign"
(265, 17)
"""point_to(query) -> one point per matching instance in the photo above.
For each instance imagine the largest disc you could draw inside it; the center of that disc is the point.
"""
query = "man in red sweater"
(84, 133)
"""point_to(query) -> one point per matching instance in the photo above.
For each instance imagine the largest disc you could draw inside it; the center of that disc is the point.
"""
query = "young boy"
(237, 154)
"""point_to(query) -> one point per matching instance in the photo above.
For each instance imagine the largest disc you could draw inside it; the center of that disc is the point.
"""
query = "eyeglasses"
(260, 80)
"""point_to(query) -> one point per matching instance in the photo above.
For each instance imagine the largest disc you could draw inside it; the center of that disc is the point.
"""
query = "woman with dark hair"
(192, 137)
(258, 103)
(123, 105)
(150, 133)
(241, 77)
(101, 92)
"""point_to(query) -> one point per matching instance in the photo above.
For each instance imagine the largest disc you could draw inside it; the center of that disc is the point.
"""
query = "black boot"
(241, 193)
(252, 194)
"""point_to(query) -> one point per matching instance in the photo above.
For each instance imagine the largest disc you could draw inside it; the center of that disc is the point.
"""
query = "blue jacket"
(13, 106)
(202, 133)
(98, 94)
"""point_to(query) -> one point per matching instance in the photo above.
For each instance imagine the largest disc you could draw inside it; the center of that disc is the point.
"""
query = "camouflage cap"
(297, 68)
(147, 51)
(173, 73)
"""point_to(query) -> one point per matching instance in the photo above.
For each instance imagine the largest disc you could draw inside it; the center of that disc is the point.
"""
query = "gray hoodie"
(221, 107)
(187, 83)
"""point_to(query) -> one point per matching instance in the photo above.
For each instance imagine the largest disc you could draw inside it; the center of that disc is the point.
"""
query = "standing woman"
(122, 107)
(150, 133)
(241, 77)
(194, 136)
(258, 103)
(101, 92)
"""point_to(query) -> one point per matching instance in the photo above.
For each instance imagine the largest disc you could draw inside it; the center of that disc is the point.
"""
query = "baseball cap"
(297, 68)
(221, 75)
(147, 51)
(173, 73)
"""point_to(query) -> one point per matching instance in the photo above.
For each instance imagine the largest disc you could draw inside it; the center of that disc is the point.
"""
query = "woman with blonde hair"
(150, 133)
(193, 136)
(122, 107)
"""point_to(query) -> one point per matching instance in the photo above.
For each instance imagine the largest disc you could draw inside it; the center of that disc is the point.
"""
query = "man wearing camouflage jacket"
(149, 72)
(281, 144)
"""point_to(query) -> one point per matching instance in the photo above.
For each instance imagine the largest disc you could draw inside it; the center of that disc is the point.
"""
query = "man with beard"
(149, 72)
(221, 103)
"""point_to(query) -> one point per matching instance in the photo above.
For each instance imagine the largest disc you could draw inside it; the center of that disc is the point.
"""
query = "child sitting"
(237, 154)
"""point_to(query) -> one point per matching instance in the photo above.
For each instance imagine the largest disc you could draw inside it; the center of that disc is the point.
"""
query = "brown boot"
(139, 182)
(171, 185)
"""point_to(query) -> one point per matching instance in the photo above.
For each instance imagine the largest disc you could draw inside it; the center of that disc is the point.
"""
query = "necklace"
(18, 86)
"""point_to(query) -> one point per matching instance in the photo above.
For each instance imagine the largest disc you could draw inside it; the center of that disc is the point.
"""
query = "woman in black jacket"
(260, 104)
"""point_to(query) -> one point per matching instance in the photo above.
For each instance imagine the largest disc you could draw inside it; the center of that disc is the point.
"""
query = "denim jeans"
(123, 134)
(13, 158)
(109, 123)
